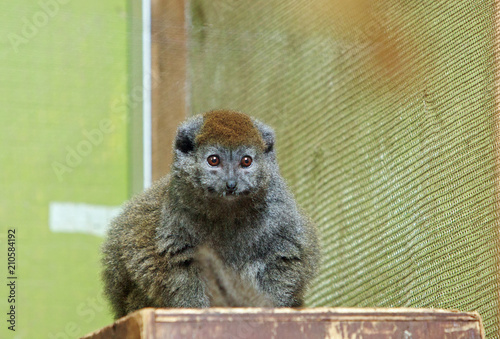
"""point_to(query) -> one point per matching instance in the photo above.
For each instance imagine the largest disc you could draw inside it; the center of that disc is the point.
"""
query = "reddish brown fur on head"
(230, 129)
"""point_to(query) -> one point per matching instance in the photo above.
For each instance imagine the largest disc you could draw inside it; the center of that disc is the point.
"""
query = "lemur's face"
(230, 173)
(225, 154)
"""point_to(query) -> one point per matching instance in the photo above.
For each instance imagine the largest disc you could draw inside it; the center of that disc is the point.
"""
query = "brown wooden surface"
(285, 323)
(136, 325)
(169, 87)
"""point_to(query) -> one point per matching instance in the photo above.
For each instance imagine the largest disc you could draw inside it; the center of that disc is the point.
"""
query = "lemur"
(222, 229)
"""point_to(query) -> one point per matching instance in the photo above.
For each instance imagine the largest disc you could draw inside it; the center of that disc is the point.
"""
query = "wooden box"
(285, 323)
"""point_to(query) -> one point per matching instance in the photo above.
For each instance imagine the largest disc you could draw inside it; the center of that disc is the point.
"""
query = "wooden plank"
(169, 88)
(135, 325)
(286, 323)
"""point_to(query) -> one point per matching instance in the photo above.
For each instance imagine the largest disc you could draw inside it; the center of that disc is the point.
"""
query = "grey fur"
(257, 233)
(225, 288)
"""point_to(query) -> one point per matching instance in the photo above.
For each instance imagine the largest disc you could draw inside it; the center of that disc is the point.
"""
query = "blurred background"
(385, 114)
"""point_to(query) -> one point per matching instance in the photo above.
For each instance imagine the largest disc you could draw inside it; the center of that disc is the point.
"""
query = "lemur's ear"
(186, 134)
(267, 135)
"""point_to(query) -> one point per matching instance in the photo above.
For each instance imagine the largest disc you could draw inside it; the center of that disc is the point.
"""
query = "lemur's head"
(225, 154)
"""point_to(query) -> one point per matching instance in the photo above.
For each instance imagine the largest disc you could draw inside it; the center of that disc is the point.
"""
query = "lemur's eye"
(213, 160)
(246, 161)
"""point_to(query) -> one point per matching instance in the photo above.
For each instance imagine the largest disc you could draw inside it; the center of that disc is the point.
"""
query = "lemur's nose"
(231, 185)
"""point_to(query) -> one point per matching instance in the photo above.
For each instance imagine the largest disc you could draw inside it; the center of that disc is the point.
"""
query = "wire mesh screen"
(384, 113)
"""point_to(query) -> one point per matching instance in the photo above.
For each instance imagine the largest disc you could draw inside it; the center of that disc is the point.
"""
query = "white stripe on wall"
(67, 217)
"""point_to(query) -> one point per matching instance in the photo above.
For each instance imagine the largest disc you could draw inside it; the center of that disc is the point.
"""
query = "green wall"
(63, 71)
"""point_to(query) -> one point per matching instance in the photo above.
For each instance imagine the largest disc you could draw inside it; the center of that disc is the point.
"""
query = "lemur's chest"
(238, 244)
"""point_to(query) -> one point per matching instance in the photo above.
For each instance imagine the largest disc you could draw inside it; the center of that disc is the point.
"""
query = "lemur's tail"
(225, 287)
